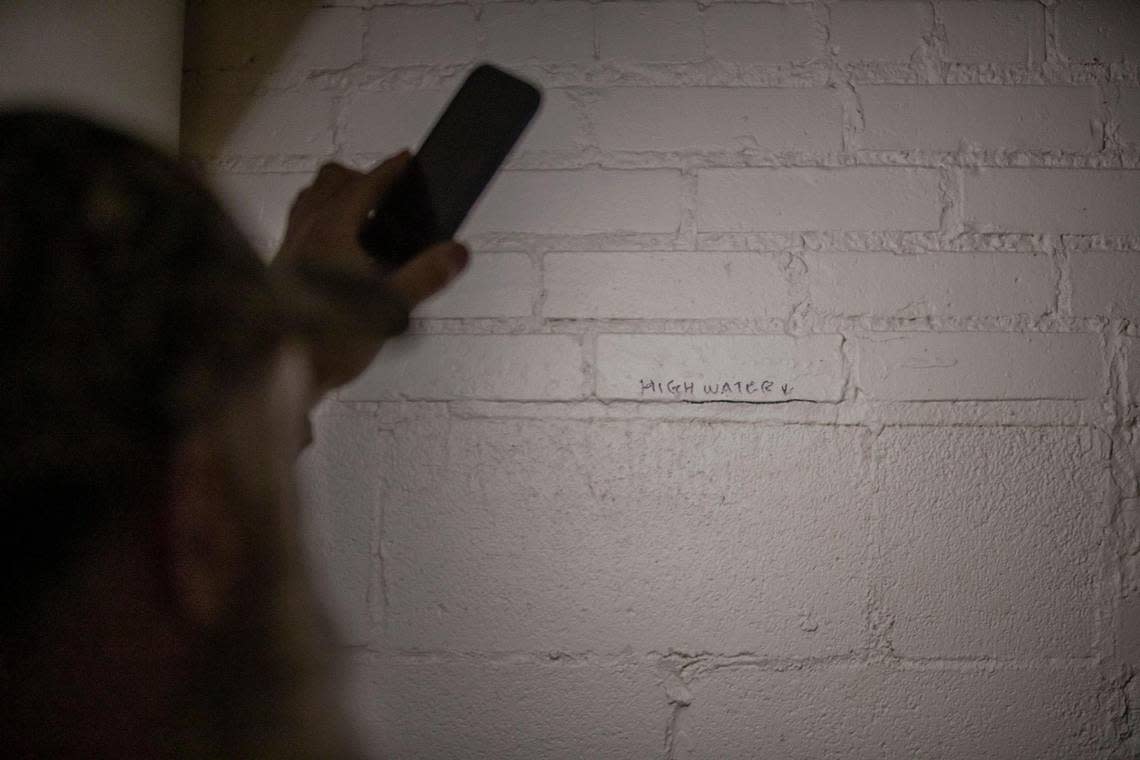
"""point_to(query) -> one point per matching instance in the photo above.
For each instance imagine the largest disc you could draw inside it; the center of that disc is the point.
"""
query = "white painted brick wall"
(342, 477)
(395, 35)
(589, 536)
(576, 513)
(763, 33)
(1132, 353)
(1005, 566)
(862, 198)
(384, 122)
(260, 202)
(1079, 201)
(667, 118)
(1099, 30)
(879, 30)
(492, 285)
(1106, 284)
(510, 710)
(466, 366)
(769, 368)
(978, 365)
(679, 285)
(1128, 129)
(930, 285)
(650, 31)
(545, 31)
(882, 712)
(944, 118)
(994, 31)
(580, 202)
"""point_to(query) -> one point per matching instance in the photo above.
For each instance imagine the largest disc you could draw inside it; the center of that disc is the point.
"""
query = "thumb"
(429, 271)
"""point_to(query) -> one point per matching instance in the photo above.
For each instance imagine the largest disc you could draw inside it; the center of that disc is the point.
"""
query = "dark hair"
(130, 306)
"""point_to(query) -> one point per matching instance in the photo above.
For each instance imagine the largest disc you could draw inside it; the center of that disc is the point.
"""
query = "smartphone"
(460, 155)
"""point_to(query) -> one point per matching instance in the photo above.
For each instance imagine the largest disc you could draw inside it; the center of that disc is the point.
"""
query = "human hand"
(351, 303)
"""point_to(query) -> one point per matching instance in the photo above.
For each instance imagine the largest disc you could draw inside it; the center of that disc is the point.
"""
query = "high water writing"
(680, 388)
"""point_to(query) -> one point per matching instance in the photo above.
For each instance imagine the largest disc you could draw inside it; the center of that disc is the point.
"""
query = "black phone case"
(460, 155)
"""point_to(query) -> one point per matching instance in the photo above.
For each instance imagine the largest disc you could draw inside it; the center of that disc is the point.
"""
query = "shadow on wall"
(252, 40)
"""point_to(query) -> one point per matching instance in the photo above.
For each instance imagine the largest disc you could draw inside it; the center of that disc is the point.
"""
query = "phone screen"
(457, 160)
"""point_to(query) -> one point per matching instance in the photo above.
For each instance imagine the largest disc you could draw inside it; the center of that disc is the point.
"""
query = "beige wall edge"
(119, 61)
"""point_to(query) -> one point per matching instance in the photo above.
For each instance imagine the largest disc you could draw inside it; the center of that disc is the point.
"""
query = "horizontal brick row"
(565, 709)
(834, 713)
(666, 119)
(294, 39)
(924, 366)
(460, 708)
(575, 535)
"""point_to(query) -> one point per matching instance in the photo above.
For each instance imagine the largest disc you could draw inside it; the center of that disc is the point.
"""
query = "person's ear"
(203, 540)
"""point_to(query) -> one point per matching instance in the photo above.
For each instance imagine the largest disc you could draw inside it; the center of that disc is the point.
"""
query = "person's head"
(150, 409)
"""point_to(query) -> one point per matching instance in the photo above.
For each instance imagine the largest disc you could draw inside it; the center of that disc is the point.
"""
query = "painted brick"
(989, 540)
(1128, 115)
(625, 535)
(340, 475)
(963, 116)
(286, 37)
(1078, 201)
(880, 30)
(994, 31)
(1106, 284)
(760, 368)
(1099, 30)
(1132, 358)
(543, 31)
(650, 31)
(383, 123)
(421, 34)
(260, 203)
(580, 202)
(841, 713)
(492, 285)
(933, 366)
(762, 33)
(675, 118)
(930, 285)
(862, 198)
(268, 124)
(1127, 623)
(458, 709)
(511, 367)
(558, 125)
(665, 285)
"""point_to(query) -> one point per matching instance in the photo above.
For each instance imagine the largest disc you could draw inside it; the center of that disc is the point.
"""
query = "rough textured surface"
(930, 285)
(459, 366)
(680, 285)
(988, 540)
(884, 713)
(994, 31)
(511, 709)
(1046, 200)
(575, 513)
(577, 536)
(760, 369)
(668, 118)
(980, 366)
(1107, 283)
(818, 199)
(987, 116)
